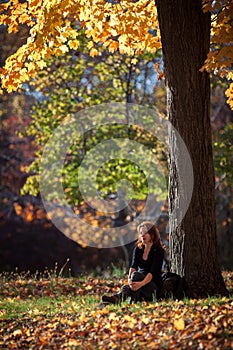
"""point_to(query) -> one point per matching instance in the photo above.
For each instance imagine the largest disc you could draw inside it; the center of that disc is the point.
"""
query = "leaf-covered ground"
(60, 313)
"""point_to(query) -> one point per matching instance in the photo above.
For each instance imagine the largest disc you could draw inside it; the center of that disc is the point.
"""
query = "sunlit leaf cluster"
(130, 27)
(220, 58)
(127, 26)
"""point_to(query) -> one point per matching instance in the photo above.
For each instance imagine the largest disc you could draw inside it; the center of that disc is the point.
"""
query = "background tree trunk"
(185, 35)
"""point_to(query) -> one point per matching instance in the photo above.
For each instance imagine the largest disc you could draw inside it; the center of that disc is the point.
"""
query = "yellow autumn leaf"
(89, 287)
(73, 342)
(30, 66)
(230, 75)
(35, 56)
(82, 317)
(41, 64)
(212, 329)
(90, 45)
(113, 316)
(94, 52)
(179, 324)
(24, 74)
(74, 44)
(113, 345)
(62, 49)
(131, 321)
(217, 319)
(134, 61)
(145, 319)
(17, 333)
(160, 319)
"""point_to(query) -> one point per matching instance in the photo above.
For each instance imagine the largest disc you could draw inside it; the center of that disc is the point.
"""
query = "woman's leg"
(146, 292)
(117, 298)
(149, 291)
(136, 295)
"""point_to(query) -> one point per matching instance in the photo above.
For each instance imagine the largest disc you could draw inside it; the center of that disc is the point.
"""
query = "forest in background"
(27, 234)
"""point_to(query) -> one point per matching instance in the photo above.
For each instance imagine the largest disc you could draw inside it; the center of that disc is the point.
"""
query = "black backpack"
(172, 286)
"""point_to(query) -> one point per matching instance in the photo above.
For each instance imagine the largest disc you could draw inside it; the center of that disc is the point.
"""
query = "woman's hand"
(135, 285)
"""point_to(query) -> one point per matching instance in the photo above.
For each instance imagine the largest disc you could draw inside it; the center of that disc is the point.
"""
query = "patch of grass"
(13, 308)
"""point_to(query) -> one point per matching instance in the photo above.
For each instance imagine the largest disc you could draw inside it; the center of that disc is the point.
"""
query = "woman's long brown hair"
(153, 232)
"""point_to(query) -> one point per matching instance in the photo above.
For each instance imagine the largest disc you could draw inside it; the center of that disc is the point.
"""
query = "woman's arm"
(137, 285)
(131, 270)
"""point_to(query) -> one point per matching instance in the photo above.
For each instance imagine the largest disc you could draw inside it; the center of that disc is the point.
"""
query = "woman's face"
(144, 235)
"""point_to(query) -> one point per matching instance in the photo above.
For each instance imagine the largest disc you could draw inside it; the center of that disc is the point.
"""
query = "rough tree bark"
(185, 35)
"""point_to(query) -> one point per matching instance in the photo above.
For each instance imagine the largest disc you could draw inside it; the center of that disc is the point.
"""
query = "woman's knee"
(137, 276)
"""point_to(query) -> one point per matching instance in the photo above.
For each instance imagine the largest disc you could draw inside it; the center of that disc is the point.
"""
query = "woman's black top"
(152, 265)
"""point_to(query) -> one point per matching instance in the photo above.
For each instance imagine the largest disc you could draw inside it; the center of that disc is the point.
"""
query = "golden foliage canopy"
(125, 25)
(53, 30)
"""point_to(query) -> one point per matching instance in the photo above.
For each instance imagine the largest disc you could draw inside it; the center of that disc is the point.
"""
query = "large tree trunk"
(185, 35)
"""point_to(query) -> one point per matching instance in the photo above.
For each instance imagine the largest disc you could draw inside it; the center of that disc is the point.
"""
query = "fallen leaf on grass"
(88, 287)
(146, 320)
(17, 333)
(217, 319)
(179, 324)
(197, 335)
(160, 319)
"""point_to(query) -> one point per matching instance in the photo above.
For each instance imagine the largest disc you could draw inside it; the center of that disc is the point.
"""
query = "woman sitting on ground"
(144, 278)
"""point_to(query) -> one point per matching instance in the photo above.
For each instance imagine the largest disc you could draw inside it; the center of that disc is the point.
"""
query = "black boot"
(113, 299)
